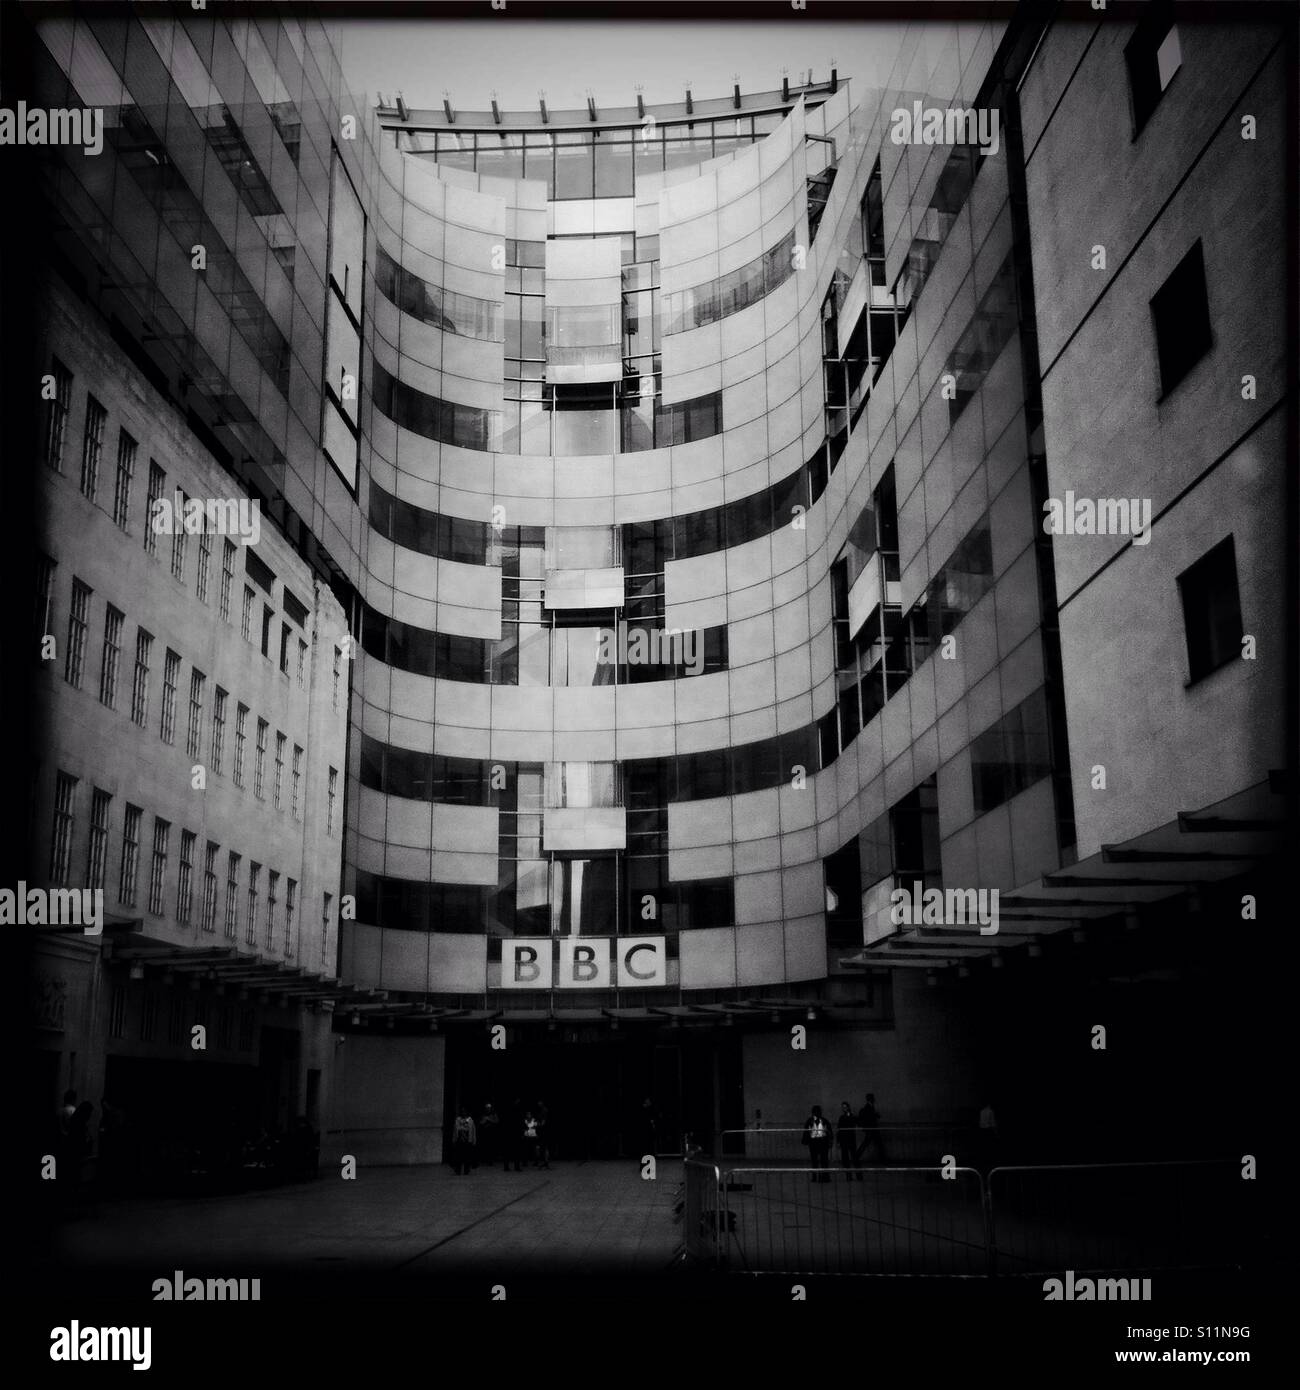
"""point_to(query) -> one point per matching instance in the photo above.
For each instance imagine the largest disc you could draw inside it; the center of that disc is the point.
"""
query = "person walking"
(463, 1139)
(846, 1132)
(817, 1137)
(869, 1149)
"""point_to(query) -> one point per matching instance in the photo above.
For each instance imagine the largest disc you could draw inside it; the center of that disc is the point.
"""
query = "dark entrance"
(595, 1082)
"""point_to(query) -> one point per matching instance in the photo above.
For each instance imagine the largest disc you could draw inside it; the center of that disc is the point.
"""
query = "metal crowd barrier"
(1022, 1221)
(898, 1146)
(1119, 1216)
(700, 1211)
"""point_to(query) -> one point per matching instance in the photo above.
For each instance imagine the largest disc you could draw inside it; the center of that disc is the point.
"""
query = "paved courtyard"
(574, 1218)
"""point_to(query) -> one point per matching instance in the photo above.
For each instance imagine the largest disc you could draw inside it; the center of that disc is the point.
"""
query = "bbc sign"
(584, 962)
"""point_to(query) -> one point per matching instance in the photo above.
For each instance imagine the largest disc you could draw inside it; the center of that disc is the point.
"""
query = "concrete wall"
(927, 1056)
(387, 1095)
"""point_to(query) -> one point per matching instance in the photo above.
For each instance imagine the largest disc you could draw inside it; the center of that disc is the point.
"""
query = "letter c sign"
(641, 961)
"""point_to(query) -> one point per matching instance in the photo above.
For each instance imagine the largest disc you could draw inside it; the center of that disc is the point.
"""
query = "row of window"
(536, 654)
(110, 671)
(474, 427)
(732, 292)
(57, 410)
(195, 898)
(461, 314)
(549, 897)
(223, 1036)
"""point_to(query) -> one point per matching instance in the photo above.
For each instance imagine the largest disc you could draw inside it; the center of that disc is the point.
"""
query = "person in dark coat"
(869, 1150)
(817, 1138)
(846, 1132)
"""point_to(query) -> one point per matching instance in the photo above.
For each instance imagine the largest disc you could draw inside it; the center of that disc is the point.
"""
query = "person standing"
(869, 1127)
(817, 1137)
(846, 1132)
(463, 1138)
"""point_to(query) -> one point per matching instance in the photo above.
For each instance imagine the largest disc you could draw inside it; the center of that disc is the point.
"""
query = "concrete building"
(682, 475)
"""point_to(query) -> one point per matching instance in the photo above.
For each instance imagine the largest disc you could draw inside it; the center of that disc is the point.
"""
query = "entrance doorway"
(595, 1083)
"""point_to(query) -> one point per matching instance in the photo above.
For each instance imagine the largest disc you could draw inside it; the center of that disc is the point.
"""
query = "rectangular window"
(194, 731)
(158, 864)
(205, 564)
(332, 796)
(92, 447)
(78, 622)
(61, 839)
(290, 902)
(1211, 610)
(157, 481)
(1012, 755)
(285, 636)
(111, 658)
(126, 451)
(227, 578)
(302, 663)
(210, 887)
(171, 677)
(268, 614)
(338, 672)
(1181, 313)
(232, 894)
(98, 855)
(178, 540)
(1154, 55)
(241, 739)
(56, 415)
(325, 919)
(295, 782)
(259, 760)
(185, 880)
(278, 785)
(45, 568)
(140, 680)
(272, 897)
(250, 924)
(129, 873)
(218, 728)
(246, 618)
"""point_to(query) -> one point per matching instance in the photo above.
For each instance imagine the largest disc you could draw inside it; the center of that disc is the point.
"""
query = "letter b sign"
(584, 963)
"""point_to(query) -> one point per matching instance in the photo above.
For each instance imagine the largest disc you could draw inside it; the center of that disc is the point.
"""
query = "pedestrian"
(463, 1138)
(846, 1131)
(870, 1149)
(817, 1137)
(489, 1135)
(530, 1138)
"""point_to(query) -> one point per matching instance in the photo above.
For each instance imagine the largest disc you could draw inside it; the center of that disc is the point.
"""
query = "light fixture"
(812, 1014)
(137, 970)
(775, 1015)
(356, 1020)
